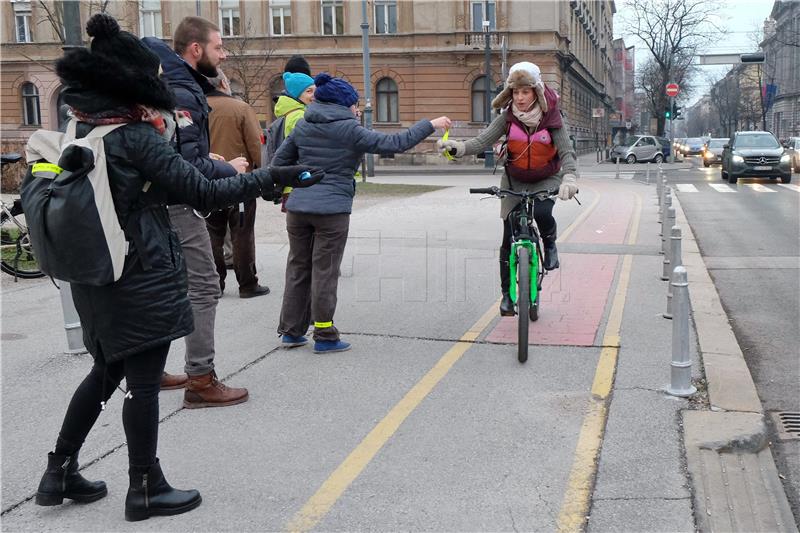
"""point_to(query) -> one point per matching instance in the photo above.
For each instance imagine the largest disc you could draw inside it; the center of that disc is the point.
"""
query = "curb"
(735, 481)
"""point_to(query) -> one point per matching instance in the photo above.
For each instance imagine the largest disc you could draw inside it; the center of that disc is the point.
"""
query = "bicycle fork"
(533, 270)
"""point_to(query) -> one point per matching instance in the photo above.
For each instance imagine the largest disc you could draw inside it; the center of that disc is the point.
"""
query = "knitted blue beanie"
(334, 90)
(296, 83)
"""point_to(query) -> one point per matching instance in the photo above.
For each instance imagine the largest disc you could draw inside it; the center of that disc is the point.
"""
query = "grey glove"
(568, 188)
(456, 148)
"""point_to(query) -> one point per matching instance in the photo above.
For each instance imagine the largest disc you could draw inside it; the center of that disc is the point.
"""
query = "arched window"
(386, 94)
(30, 105)
(479, 99)
(61, 109)
(275, 90)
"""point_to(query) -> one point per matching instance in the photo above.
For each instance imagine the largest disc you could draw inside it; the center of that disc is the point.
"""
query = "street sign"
(598, 112)
(672, 89)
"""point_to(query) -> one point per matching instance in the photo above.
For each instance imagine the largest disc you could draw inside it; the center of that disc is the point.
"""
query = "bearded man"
(198, 52)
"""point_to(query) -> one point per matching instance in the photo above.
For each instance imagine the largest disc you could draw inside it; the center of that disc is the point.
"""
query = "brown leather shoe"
(173, 381)
(207, 391)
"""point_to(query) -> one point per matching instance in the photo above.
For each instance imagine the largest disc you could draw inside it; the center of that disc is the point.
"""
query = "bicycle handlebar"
(497, 191)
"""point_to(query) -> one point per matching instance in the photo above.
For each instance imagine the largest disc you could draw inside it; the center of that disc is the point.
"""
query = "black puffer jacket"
(190, 89)
(148, 305)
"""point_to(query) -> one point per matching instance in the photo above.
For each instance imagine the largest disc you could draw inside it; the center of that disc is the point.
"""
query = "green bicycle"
(525, 260)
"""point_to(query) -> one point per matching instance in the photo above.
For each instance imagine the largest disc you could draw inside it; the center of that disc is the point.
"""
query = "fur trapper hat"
(117, 65)
(524, 74)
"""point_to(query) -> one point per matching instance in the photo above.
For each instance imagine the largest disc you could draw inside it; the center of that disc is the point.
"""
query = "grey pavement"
(491, 445)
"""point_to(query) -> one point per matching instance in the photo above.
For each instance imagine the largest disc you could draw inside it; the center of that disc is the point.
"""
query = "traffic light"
(758, 57)
(667, 113)
(676, 112)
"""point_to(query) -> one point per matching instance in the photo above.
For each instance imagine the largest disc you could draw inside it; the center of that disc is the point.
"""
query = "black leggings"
(142, 372)
(542, 214)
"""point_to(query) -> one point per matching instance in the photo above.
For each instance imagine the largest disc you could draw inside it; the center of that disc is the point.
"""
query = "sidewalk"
(429, 423)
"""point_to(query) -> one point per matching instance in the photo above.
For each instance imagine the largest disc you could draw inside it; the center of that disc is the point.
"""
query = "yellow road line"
(333, 487)
(575, 506)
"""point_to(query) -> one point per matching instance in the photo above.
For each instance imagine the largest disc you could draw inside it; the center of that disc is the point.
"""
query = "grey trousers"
(316, 249)
(203, 287)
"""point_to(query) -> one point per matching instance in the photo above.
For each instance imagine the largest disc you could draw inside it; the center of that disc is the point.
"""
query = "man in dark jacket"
(198, 52)
(235, 131)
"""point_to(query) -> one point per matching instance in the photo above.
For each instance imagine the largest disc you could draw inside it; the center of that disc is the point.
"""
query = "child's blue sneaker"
(331, 346)
(290, 341)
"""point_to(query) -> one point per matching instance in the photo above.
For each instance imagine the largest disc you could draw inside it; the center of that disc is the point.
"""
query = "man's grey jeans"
(203, 287)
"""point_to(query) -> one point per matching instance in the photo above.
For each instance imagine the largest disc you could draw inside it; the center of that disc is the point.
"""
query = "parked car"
(755, 153)
(713, 151)
(693, 146)
(666, 146)
(639, 148)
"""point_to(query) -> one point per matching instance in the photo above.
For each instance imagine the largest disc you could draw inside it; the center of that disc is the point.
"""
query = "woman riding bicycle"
(539, 158)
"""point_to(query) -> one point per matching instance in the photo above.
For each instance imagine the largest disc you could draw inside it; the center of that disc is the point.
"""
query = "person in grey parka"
(328, 137)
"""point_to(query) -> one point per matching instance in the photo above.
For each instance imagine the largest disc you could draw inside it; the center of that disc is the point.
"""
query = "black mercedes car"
(756, 154)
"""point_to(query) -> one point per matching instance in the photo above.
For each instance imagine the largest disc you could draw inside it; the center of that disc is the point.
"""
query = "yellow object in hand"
(446, 153)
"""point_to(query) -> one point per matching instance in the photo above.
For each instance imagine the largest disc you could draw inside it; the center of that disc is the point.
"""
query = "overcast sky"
(740, 17)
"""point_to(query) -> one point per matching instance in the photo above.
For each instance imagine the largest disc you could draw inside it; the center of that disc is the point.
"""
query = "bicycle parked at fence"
(525, 260)
(16, 252)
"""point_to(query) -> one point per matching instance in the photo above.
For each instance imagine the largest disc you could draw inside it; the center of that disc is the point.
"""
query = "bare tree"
(248, 63)
(672, 30)
(53, 11)
(725, 97)
(650, 79)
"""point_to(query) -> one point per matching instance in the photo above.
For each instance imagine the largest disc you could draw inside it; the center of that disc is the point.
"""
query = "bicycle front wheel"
(16, 252)
(523, 301)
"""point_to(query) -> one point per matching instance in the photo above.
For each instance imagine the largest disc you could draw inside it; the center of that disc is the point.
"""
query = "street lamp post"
(367, 82)
(489, 154)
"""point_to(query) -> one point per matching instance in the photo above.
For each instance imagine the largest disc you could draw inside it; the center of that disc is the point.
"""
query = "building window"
(386, 94)
(479, 100)
(332, 17)
(22, 22)
(150, 18)
(477, 15)
(30, 105)
(281, 12)
(385, 16)
(229, 18)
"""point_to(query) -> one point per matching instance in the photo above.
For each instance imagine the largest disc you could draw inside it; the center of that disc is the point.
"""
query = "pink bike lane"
(574, 296)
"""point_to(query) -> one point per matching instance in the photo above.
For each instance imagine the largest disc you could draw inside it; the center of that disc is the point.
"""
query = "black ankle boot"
(506, 305)
(150, 495)
(550, 251)
(62, 480)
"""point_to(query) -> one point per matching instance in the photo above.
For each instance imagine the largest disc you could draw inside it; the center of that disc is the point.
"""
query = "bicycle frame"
(521, 238)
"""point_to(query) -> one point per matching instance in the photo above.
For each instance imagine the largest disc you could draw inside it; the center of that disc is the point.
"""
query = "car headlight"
(785, 158)
(708, 155)
(737, 159)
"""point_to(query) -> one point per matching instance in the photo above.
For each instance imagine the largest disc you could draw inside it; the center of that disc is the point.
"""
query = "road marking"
(686, 187)
(759, 188)
(333, 487)
(609, 174)
(791, 186)
(579, 220)
(575, 505)
(721, 187)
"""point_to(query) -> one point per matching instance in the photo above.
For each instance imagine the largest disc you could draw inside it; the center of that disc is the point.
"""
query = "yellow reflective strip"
(46, 167)
(445, 153)
(323, 324)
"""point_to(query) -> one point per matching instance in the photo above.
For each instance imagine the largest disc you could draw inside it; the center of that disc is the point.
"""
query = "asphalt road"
(749, 235)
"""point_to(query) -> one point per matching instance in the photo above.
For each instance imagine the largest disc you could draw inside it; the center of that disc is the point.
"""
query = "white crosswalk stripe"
(721, 187)
(791, 186)
(759, 188)
(622, 175)
(686, 187)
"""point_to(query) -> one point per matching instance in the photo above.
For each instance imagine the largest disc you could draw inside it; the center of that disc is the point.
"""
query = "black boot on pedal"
(506, 305)
(550, 252)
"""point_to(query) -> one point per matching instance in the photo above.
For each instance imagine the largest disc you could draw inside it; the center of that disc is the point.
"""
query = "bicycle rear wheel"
(523, 301)
(16, 252)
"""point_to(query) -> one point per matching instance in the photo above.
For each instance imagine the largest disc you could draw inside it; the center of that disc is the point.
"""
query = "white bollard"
(675, 261)
(648, 173)
(72, 322)
(681, 365)
(617, 176)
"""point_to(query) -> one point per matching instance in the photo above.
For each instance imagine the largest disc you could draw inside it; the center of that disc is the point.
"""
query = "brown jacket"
(235, 131)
